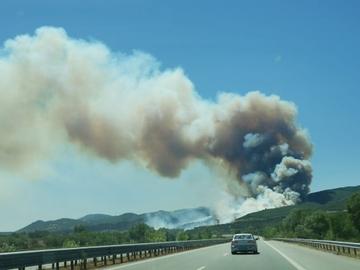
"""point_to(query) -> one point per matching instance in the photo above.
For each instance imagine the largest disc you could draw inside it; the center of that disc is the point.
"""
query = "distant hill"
(331, 199)
(179, 219)
(328, 200)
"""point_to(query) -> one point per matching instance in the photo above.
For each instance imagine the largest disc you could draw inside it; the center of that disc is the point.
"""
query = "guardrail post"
(132, 251)
(337, 247)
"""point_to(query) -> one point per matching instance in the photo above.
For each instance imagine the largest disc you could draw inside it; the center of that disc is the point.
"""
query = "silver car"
(244, 242)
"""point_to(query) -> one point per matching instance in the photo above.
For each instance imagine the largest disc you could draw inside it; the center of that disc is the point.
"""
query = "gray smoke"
(181, 219)
(56, 90)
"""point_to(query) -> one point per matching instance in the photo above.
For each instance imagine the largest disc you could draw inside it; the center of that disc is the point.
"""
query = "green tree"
(205, 233)
(301, 231)
(341, 226)
(317, 224)
(292, 220)
(79, 228)
(153, 235)
(182, 236)
(6, 247)
(137, 233)
(353, 207)
(270, 232)
(68, 243)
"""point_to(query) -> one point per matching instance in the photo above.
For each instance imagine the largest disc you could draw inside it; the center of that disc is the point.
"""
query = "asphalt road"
(272, 255)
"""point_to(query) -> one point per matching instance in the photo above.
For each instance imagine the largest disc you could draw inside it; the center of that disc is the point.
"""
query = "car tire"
(233, 252)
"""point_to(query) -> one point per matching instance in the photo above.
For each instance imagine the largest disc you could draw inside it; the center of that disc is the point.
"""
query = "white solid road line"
(291, 261)
(201, 268)
(129, 264)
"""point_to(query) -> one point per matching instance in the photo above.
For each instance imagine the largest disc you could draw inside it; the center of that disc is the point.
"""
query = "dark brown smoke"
(55, 90)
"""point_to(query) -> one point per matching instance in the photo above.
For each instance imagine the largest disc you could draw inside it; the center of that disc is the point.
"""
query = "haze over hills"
(179, 219)
(328, 200)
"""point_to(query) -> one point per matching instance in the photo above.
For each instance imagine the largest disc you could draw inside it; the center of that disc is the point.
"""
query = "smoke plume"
(56, 90)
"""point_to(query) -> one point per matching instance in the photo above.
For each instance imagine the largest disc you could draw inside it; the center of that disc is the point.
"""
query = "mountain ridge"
(186, 218)
(190, 218)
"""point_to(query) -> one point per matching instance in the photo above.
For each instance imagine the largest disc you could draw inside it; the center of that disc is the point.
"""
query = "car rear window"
(243, 237)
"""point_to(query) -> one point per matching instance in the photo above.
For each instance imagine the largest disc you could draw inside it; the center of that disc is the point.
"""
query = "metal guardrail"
(346, 248)
(80, 257)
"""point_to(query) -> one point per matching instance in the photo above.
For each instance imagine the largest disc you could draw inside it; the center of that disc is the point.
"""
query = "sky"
(306, 52)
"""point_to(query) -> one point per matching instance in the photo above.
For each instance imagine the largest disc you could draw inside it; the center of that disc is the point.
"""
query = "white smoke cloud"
(253, 140)
(181, 219)
(55, 90)
(289, 167)
(229, 207)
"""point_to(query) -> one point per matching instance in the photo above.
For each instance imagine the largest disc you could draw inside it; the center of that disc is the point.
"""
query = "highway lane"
(309, 258)
(213, 258)
(273, 255)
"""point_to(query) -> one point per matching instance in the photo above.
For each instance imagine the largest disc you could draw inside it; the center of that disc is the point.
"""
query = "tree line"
(319, 224)
(300, 223)
(80, 237)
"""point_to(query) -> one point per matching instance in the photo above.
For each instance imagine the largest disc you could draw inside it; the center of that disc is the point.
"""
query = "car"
(244, 242)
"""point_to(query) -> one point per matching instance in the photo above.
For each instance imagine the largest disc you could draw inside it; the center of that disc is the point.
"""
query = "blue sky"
(306, 52)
